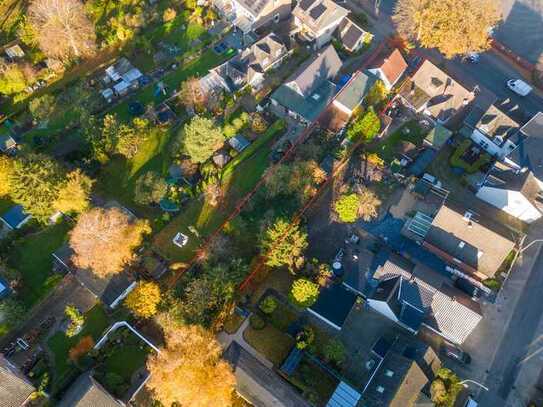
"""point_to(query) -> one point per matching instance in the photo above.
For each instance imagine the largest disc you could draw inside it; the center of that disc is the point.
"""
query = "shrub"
(334, 351)
(229, 131)
(258, 123)
(257, 322)
(305, 337)
(304, 292)
(268, 305)
(76, 320)
(346, 207)
(84, 345)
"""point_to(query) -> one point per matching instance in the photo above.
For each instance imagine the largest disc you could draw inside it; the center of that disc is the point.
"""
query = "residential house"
(351, 36)
(249, 66)
(491, 129)
(529, 145)
(110, 290)
(517, 194)
(353, 93)
(435, 94)
(120, 78)
(470, 247)
(389, 68)
(317, 20)
(15, 389)
(87, 392)
(415, 296)
(249, 15)
(306, 94)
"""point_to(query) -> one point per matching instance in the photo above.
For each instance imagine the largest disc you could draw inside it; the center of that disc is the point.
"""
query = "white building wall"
(487, 144)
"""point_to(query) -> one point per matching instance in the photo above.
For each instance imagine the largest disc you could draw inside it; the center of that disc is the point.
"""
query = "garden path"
(226, 339)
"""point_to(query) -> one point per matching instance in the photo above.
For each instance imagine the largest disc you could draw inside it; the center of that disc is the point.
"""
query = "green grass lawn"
(315, 383)
(5, 204)
(206, 218)
(270, 342)
(32, 257)
(96, 321)
(386, 149)
(126, 360)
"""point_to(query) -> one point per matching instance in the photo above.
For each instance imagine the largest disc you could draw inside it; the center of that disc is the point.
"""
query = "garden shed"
(239, 143)
(15, 217)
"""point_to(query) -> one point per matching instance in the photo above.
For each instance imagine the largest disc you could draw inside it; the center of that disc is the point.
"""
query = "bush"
(334, 351)
(304, 292)
(257, 322)
(258, 123)
(268, 305)
(84, 345)
(346, 208)
(492, 283)
(229, 131)
(305, 337)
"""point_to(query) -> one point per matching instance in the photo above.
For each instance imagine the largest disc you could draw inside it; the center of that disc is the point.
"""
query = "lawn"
(232, 323)
(270, 342)
(118, 178)
(386, 148)
(96, 321)
(283, 316)
(316, 384)
(200, 215)
(32, 257)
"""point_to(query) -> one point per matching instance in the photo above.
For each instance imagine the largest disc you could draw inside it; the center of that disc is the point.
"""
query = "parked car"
(471, 58)
(519, 87)
(455, 353)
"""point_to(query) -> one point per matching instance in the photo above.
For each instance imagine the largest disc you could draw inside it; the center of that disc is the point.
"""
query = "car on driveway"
(455, 353)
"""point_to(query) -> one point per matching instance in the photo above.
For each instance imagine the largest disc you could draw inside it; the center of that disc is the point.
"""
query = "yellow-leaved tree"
(189, 370)
(454, 27)
(143, 300)
(74, 193)
(6, 168)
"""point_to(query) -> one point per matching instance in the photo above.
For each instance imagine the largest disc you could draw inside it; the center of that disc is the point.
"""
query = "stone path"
(225, 339)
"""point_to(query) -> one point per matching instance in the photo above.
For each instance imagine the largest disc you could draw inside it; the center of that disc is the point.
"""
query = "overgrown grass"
(32, 257)
(273, 344)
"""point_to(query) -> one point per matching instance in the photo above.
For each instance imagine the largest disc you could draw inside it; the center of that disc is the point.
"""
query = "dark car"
(455, 353)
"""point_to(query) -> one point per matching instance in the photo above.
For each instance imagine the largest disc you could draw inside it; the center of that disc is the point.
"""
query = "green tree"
(455, 27)
(150, 188)
(377, 94)
(304, 292)
(283, 244)
(202, 138)
(74, 193)
(42, 108)
(366, 126)
(76, 320)
(12, 312)
(130, 138)
(445, 388)
(347, 207)
(35, 182)
(268, 305)
(12, 80)
(334, 351)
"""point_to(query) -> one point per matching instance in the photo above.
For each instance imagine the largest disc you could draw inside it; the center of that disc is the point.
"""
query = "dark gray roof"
(350, 34)
(14, 388)
(250, 372)
(334, 304)
(492, 122)
(87, 392)
(356, 89)
(534, 127)
(316, 71)
(529, 151)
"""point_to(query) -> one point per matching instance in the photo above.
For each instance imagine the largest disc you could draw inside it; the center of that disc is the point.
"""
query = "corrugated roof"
(344, 396)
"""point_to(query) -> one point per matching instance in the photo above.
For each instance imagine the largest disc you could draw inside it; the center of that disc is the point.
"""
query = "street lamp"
(464, 383)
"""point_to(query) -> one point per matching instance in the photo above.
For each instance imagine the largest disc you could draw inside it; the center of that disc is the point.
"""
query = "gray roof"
(14, 388)
(350, 34)
(319, 14)
(254, 6)
(87, 392)
(313, 73)
(529, 151)
(534, 127)
(7, 142)
(239, 143)
(492, 122)
(356, 89)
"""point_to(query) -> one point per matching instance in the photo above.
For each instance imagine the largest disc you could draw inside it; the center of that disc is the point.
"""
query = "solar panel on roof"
(304, 4)
(317, 11)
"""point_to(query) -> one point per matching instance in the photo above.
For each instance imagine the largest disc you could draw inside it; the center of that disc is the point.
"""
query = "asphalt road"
(519, 343)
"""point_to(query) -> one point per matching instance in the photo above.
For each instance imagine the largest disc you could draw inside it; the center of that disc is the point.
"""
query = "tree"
(76, 320)
(6, 169)
(74, 193)
(150, 188)
(130, 138)
(366, 126)
(283, 243)
(192, 95)
(12, 312)
(42, 108)
(202, 138)
(35, 182)
(189, 370)
(304, 292)
(377, 94)
(83, 347)
(12, 80)
(299, 178)
(62, 27)
(169, 14)
(268, 305)
(258, 123)
(455, 27)
(334, 351)
(110, 231)
(445, 388)
(144, 299)
(368, 205)
(347, 207)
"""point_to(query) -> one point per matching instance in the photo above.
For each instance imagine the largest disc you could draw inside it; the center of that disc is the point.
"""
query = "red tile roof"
(394, 66)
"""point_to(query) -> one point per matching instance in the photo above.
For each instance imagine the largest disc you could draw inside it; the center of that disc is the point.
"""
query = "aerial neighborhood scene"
(271, 203)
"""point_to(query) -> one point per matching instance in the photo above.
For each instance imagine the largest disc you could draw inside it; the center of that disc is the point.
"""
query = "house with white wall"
(249, 15)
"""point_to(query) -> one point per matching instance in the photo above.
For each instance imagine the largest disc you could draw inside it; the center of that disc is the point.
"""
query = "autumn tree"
(201, 138)
(445, 388)
(42, 108)
(455, 27)
(35, 182)
(368, 205)
(76, 320)
(74, 193)
(144, 299)
(283, 244)
(347, 208)
(106, 231)
(12, 80)
(192, 96)
(189, 370)
(6, 169)
(82, 347)
(62, 27)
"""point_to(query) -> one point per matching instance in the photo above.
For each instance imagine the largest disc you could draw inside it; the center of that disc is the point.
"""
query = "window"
(389, 373)
(380, 389)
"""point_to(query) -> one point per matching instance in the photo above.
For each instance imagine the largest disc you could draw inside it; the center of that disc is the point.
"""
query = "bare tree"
(63, 28)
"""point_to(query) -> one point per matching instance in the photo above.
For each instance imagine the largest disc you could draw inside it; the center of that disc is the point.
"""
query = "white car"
(519, 87)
